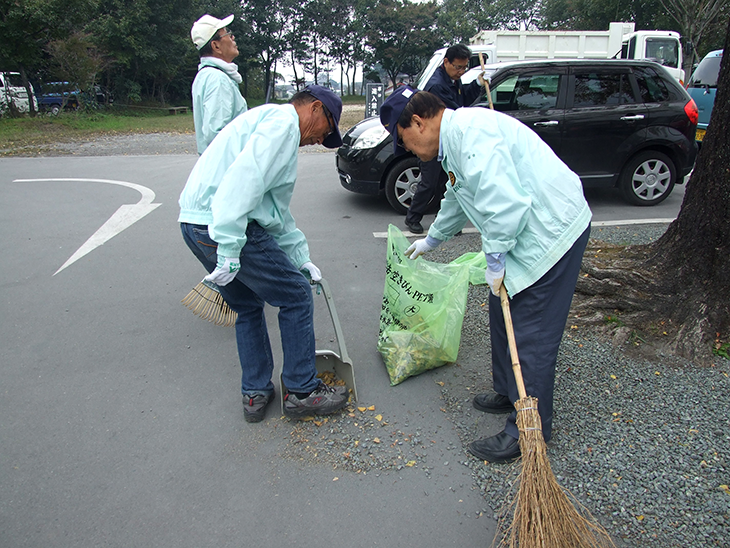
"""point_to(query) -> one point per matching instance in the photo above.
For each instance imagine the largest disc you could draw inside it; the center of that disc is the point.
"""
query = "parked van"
(702, 87)
(12, 90)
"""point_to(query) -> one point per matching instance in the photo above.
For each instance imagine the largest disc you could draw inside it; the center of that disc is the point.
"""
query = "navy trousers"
(431, 186)
(539, 314)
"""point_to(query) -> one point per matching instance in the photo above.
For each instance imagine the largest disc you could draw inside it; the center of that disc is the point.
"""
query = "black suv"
(621, 123)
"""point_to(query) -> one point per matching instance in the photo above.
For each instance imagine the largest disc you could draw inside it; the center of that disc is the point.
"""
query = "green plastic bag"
(477, 263)
(423, 309)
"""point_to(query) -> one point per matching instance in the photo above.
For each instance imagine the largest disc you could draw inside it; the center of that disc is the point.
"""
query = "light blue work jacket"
(248, 174)
(521, 197)
(217, 100)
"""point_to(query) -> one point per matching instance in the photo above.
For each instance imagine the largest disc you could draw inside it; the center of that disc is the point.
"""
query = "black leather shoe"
(415, 227)
(491, 402)
(499, 448)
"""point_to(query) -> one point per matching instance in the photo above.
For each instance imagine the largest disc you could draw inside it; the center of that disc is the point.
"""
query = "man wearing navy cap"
(534, 222)
(234, 216)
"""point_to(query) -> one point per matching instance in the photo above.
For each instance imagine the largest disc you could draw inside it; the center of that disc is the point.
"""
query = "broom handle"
(486, 84)
(511, 341)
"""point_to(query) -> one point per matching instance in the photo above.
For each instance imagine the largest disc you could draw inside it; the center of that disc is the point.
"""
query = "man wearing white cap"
(216, 97)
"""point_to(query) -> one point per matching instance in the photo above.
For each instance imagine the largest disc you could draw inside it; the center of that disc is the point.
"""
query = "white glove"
(494, 279)
(419, 247)
(314, 272)
(480, 77)
(225, 270)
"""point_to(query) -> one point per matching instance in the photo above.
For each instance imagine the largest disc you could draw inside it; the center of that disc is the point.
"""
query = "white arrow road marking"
(123, 218)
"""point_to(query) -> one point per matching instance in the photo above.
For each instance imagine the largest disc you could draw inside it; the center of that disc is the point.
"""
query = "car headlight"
(370, 138)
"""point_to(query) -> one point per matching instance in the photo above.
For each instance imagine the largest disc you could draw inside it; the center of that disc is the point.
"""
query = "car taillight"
(690, 109)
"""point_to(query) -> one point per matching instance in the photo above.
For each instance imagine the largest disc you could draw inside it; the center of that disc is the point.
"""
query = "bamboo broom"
(545, 514)
(206, 301)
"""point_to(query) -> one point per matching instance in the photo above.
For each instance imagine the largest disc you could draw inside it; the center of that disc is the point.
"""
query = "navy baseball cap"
(391, 110)
(334, 105)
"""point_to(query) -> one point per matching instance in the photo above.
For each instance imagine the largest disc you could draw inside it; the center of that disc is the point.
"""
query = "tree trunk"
(697, 243)
(315, 60)
(294, 70)
(28, 90)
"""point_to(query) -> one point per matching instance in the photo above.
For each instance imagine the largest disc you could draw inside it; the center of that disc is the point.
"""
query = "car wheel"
(648, 178)
(55, 109)
(401, 183)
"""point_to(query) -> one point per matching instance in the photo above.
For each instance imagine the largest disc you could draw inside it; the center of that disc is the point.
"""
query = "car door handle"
(634, 117)
(547, 124)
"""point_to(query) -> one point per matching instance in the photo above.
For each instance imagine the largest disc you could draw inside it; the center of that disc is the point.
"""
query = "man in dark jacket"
(446, 85)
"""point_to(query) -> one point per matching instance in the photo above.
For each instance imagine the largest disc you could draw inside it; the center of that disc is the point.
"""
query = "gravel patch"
(644, 445)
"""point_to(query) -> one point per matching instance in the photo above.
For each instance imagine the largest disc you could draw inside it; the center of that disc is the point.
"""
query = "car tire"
(648, 178)
(401, 182)
(55, 109)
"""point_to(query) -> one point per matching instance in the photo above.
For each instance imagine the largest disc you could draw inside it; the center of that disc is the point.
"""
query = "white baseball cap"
(205, 28)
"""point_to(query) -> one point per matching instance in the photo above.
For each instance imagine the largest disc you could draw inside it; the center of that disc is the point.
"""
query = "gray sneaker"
(323, 400)
(254, 407)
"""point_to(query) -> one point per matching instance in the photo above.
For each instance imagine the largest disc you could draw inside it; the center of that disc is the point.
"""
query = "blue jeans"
(266, 276)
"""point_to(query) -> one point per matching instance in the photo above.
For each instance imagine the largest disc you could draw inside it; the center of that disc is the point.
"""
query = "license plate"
(700, 134)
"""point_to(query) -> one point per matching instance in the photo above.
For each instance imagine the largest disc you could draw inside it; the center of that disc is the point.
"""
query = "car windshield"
(14, 79)
(706, 73)
(663, 51)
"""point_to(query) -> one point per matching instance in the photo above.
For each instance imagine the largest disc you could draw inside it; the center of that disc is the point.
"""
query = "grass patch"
(614, 320)
(44, 129)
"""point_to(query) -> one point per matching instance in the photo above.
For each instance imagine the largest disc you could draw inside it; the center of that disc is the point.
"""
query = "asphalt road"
(120, 417)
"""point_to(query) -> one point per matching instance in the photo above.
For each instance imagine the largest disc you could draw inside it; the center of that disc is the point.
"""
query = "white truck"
(619, 41)
(13, 91)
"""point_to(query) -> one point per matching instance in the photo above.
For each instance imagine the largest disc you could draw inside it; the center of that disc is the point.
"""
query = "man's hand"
(494, 279)
(314, 272)
(481, 80)
(225, 270)
(419, 247)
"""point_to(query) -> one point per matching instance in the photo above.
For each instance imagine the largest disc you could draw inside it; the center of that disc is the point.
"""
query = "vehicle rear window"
(706, 73)
(652, 87)
(596, 89)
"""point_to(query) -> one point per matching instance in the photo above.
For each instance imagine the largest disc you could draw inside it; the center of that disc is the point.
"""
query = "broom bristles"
(206, 301)
(544, 514)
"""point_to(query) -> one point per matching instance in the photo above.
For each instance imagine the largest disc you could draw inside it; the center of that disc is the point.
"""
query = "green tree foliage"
(347, 37)
(597, 14)
(695, 18)
(149, 41)
(402, 35)
(26, 27)
(458, 20)
(270, 30)
(76, 60)
(143, 48)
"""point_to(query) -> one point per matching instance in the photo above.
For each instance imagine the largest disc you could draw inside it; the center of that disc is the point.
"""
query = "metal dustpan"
(328, 360)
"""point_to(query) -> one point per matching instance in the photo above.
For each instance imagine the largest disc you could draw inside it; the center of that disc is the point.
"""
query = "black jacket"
(452, 93)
